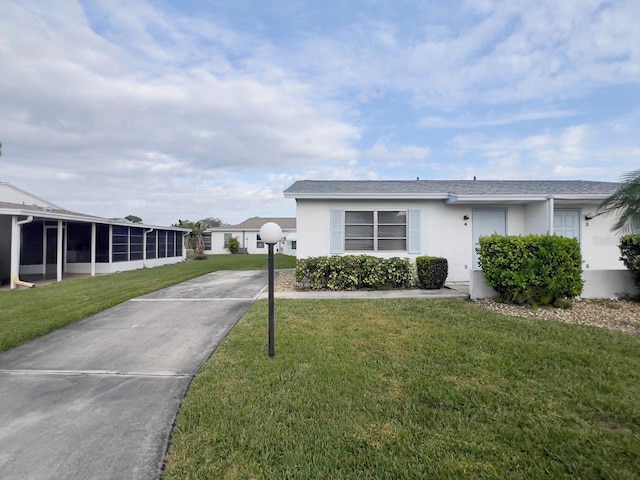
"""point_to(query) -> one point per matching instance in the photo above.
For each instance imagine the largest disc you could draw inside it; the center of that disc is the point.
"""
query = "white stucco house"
(446, 218)
(248, 234)
(41, 240)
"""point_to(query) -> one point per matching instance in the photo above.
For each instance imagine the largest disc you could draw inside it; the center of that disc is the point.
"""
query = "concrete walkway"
(97, 399)
(431, 294)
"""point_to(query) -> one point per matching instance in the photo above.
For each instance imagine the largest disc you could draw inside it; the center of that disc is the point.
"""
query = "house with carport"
(40, 240)
(446, 218)
(248, 235)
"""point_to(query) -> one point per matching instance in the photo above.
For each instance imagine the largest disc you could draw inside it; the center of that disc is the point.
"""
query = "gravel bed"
(620, 315)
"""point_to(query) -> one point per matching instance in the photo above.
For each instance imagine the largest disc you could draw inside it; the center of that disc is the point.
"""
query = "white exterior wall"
(597, 284)
(537, 218)
(516, 219)
(250, 242)
(443, 232)
(599, 244)
(104, 268)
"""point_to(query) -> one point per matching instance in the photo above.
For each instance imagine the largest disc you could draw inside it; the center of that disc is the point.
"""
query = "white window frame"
(375, 215)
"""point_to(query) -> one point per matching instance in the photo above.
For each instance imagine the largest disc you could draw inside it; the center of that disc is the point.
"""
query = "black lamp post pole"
(272, 334)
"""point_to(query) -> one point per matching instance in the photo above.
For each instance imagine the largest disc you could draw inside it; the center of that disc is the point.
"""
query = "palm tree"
(195, 239)
(625, 202)
(197, 235)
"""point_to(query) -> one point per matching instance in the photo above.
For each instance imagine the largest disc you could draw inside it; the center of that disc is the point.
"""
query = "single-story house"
(446, 219)
(41, 240)
(248, 234)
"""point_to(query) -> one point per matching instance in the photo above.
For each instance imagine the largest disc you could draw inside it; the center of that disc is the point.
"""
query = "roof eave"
(462, 199)
(367, 196)
(82, 218)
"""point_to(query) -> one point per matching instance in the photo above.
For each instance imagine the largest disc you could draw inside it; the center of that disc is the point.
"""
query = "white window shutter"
(413, 232)
(337, 231)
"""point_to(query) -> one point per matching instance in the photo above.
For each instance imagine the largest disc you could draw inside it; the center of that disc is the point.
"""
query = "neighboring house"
(446, 218)
(39, 239)
(248, 234)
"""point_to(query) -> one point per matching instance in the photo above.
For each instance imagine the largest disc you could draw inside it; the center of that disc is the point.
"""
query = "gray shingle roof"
(39, 209)
(450, 187)
(255, 223)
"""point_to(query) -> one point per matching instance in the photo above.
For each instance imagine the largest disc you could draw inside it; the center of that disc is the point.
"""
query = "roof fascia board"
(494, 198)
(367, 196)
(79, 218)
(461, 199)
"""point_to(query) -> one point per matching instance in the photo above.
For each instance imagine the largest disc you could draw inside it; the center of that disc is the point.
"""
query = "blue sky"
(189, 109)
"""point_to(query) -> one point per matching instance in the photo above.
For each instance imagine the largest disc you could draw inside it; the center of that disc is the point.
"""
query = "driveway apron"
(97, 399)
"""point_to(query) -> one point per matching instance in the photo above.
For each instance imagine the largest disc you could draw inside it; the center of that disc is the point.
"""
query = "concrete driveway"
(97, 399)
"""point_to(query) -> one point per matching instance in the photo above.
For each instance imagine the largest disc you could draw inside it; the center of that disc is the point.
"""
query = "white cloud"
(492, 119)
(594, 152)
(395, 155)
(491, 53)
(114, 106)
(117, 114)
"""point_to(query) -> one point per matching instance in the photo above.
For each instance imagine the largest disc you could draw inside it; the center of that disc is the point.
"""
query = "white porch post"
(44, 249)
(551, 207)
(110, 246)
(59, 253)
(15, 251)
(15, 248)
(93, 249)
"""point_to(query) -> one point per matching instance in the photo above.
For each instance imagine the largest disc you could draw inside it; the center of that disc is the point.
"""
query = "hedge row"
(353, 272)
(532, 270)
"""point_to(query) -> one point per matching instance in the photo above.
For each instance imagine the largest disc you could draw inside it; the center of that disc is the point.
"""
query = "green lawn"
(393, 389)
(25, 314)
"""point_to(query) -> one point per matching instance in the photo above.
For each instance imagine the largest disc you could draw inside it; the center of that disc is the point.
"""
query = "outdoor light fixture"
(465, 218)
(271, 233)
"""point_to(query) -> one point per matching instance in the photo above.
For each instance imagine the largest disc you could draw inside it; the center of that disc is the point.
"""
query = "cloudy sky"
(171, 109)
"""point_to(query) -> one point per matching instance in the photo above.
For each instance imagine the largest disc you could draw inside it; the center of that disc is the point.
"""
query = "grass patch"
(25, 314)
(411, 388)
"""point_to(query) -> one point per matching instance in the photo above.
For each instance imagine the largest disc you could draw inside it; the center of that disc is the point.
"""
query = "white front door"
(485, 223)
(566, 223)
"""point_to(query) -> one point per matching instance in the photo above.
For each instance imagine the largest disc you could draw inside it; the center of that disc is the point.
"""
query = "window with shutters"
(375, 230)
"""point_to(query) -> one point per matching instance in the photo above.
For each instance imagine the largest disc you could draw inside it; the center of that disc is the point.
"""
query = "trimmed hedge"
(630, 255)
(532, 270)
(432, 271)
(353, 272)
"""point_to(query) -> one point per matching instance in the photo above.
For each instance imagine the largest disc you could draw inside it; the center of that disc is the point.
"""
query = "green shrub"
(432, 271)
(233, 245)
(630, 255)
(532, 270)
(354, 272)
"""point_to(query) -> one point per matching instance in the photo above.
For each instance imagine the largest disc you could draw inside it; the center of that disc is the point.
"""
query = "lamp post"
(271, 233)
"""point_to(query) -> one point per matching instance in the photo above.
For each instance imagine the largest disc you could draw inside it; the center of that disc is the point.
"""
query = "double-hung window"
(375, 230)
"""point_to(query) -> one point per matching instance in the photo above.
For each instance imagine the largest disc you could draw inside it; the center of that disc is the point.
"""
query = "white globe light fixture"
(271, 233)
